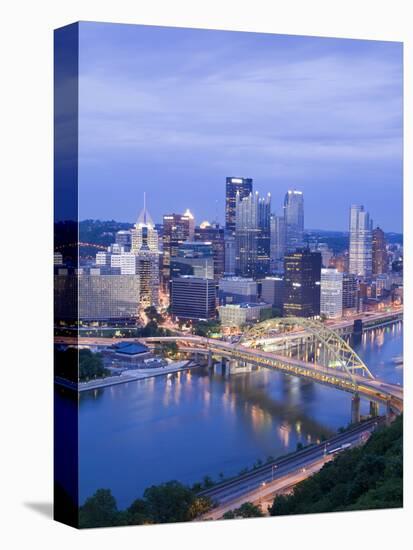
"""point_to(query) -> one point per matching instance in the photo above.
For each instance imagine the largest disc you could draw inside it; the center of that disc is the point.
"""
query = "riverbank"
(126, 376)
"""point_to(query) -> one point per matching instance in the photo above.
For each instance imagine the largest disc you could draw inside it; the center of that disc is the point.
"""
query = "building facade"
(360, 243)
(277, 247)
(272, 291)
(302, 273)
(331, 293)
(252, 235)
(145, 248)
(176, 230)
(193, 258)
(216, 236)
(294, 220)
(237, 290)
(379, 252)
(234, 186)
(193, 298)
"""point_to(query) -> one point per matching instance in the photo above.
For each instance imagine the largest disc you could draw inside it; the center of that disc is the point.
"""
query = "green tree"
(99, 510)
(246, 510)
(169, 502)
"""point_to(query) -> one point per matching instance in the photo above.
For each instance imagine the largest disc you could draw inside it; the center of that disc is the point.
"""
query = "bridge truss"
(336, 352)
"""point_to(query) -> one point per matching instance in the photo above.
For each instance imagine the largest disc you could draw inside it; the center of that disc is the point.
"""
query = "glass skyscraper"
(360, 245)
(302, 273)
(252, 235)
(242, 186)
(294, 220)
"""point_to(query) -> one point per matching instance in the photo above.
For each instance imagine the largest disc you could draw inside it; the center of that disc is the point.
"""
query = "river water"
(199, 422)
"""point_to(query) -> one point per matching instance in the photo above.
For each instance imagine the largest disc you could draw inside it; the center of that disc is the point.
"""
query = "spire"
(144, 218)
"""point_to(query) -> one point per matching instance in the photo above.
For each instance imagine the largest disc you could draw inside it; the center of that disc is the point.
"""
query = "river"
(195, 423)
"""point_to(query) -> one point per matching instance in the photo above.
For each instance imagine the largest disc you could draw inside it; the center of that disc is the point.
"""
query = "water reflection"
(200, 422)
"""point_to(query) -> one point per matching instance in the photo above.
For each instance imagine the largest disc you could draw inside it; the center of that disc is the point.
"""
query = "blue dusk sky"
(174, 111)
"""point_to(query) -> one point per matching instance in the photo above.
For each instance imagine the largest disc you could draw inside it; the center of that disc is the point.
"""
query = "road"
(282, 474)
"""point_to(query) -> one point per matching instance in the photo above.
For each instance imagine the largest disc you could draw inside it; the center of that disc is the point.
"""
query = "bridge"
(334, 364)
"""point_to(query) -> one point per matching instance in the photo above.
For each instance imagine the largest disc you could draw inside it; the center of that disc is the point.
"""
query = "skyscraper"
(242, 186)
(193, 298)
(360, 245)
(294, 220)
(302, 273)
(176, 230)
(379, 252)
(277, 250)
(331, 293)
(216, 236)
(145, 246)
(350, 291)
(194, 258)
(191, 224)
(252, 235)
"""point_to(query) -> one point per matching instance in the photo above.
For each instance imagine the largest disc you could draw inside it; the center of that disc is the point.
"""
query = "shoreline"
(131, 375)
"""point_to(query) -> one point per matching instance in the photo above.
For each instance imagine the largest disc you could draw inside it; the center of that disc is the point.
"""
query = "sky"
(174, 111)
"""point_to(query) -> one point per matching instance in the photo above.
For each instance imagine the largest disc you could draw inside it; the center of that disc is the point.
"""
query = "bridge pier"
(210, 362)
(355, 409)
(374, 408)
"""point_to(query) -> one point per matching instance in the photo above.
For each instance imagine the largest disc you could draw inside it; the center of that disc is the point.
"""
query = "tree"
(91, 365)
(169, 502)
(246, 510)
(100, 510)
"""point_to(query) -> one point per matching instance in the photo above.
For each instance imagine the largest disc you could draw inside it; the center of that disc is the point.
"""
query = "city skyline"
(148, 118)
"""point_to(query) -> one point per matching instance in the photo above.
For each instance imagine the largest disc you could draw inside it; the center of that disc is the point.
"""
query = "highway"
(282, 473)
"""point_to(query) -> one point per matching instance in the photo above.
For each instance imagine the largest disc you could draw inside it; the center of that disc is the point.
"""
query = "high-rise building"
(107, 297)
(237, 290)
(252, 235)
(350, 291)
(176, 229)
(191, 224)
(331, 293)
(272, 291)
(302, 272)
(194, 258)
(145, 247)
(379, 252)
(294, 220)
(277, 249)
(360, 245)
(124, 239)
(216, 236)
(234, 186)
(193, 298)
(229, 255)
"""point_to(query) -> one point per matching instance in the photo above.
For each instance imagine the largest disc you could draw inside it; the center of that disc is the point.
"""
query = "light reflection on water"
(194, 423)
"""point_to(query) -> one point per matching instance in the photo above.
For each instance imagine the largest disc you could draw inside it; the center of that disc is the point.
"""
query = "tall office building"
(252, 235)
(350, 291)
(277, 247)
(229, 254)
(294, 220)
(360, 245)
(108, 297)
(216, 236)
(176, 230)
(124, 239)
(302, 273)
(193, 298)
(272, 291)
(193, 258)
(191, 224)
(379, 252)
(237, 290)
(234, 186)
(145, 247)
(331, 293)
